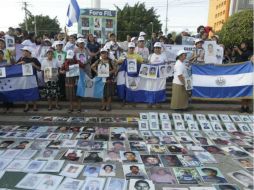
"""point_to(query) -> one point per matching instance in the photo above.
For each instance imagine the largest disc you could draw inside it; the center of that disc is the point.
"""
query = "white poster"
(143, 72)
(81, 57)
(210, 51)
(73, 71)
(171, 51)
(103, 70)
(10, 42)
(27, 69)
(131, 65)
(2, 72)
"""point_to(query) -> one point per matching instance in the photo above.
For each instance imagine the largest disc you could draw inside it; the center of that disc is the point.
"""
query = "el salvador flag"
(72, 13)
(88, 87)
(16, 87)
(222, 81)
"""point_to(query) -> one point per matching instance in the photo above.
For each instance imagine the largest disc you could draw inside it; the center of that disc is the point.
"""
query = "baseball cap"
(50, 50)
(80, 40)
(198, 40)
(70, 54)
(142, 33)
(157, 44)
(58, 43)
(131, 45)
(133, 38)
(180, 52)
(141, 38)
(104, 49)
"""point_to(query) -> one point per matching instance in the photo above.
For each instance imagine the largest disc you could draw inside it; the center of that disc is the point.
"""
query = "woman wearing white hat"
(27, 58)
(141, 49)
(179, 100)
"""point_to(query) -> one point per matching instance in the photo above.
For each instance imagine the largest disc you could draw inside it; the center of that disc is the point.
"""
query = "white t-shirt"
(179, 69)
(158, 59)
(47, 63)
(144, 52)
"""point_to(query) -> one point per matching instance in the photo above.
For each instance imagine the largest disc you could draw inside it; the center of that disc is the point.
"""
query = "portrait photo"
(27, 69)
(143, 72)
(131, 66)
(137, 184)
(162, 175)
(103, 70)
(2, 72)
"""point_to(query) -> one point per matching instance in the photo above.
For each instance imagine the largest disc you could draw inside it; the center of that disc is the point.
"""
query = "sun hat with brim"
(80, 40)
(50, 50)
(142, 34)
(198, 40)
(70, 54)
(133, 39)
(104, 50)
(27, 48)
(157, 44)
(180, 52)
(131, 45)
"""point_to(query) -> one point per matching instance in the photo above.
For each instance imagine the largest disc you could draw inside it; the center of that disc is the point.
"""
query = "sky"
(181, 13)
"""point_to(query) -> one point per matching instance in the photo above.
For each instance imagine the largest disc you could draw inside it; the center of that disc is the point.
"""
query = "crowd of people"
(64, 51)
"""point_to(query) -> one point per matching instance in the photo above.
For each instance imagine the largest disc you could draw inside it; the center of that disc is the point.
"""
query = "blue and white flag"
(222, 81)
(72, 13)
(88, 87)
(132, 88)
(16, 87)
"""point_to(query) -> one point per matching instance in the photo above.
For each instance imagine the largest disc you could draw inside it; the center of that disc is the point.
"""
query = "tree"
(44, 24)
(238, 28)
(132, 20)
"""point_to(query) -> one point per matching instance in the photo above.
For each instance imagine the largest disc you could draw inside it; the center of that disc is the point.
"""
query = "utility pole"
(26, 12)
(166, 29)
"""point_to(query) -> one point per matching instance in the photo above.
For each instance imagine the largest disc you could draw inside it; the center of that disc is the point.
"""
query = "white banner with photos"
(171, 51)
(156, 71)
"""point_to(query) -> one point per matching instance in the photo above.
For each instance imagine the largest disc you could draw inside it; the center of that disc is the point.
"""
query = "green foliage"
(132, 20)
(44, 24)
(238, 28)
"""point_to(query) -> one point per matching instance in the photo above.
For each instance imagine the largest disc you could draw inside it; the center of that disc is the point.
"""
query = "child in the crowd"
(71, 80)
(50, 67)
(108, 90)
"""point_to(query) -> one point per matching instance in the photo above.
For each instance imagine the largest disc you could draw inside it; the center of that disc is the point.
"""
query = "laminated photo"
(206, 126)
(151, 160)
(225, 118)
(166, 125)
(205, 157)
(195, 134)
(188, 117)
(108, 170)
(72, 155)
(135, 136)
(177, 117)
(22, 144)
(81, 57)
(50, 74)
(70, 184)
(96, 183)
(210, 52)
(179, 125)
(202, 188)
(30, 181)
(158, 133)
(245, 118)
(213, 149)
(157, 149)
(112, 156)
(216, 126)
(188, 84)
(143, 72)
(137, 184)
(131, 66)
(138, 146)
(67, 143)
(7, 143)
(91, 171)
(153, 116)
(235, 151)
(49, 182)
(213, 117)
(162, 175)
(103, 70)
(53, 166)
(192, 126)
(93, 157)
(235, 118)
(230, 127)
(72, 170)
(189, 160)
(170, 161)
(17, 165)
(98, 145)
(201, 117)
(152, 73)
(177, 149)
(115, 184)
(10, 153)
(187, 175)
(154, 125)
(34, 166)
(27, 154)
(130, 157)
(164, 116)
(27, 69)
(146, 133)
(10, 42)
(53, 136)
(243, 178)
(162, 71)
(202, 141)
(211, 175)
(4, 163)
(2, 72)
(152, 140)
(143, 125)
(169, 70)
(223, 134)
(168, 140)
(134, 171)
(174, 188)
(118, 133)
(185, 140)
(73, 71)
(226, 186)
(38, 145)
(246, 163)
(47, 154)
(244, 127)
(116, 146)
(220, 140)
(144, 116)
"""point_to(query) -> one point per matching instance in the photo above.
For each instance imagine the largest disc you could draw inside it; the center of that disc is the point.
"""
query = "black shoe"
(242, 110)
(247, 109)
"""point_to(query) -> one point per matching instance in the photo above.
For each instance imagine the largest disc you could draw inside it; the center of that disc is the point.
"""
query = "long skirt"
(179, 98)
(71, 88)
